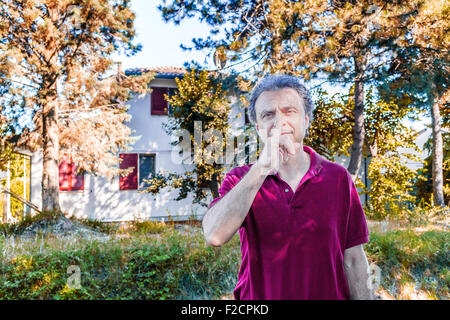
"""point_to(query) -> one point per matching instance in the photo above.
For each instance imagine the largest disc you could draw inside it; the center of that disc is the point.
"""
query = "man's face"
(283, 110)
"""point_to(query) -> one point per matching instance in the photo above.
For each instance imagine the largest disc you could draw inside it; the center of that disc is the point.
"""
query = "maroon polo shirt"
(293, 243)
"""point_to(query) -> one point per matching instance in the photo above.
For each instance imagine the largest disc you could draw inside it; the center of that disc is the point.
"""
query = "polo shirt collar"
(316, 160)
(315, 165)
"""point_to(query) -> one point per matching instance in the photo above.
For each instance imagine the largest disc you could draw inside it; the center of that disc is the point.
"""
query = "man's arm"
(223, 219)
(357, 271)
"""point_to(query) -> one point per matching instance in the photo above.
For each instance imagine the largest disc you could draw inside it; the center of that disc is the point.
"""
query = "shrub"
(177, 267)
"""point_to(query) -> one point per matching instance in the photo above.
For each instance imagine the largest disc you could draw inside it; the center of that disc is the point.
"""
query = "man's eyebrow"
(269, 108)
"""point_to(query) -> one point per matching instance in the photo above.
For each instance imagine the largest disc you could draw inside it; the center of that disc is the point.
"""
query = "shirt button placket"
(288, 195)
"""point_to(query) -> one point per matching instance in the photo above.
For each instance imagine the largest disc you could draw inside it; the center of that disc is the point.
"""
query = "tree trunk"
(50, 132)
(438, 178)
(358, 127)
(50, 172)
(215, 185)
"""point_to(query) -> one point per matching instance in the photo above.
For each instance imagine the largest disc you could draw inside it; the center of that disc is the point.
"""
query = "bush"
(179, 267)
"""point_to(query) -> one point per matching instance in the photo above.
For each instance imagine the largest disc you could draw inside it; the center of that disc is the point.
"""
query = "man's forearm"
(358, 274)
(222, 221)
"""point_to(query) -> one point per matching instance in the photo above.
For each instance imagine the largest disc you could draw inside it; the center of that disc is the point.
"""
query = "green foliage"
(6, 150)
(399, 46)
(330, 134)
(200, 97)
(389, 145)
(19, 168)
(389, 191)
(180, 267)
(306, 38)
(425, 214)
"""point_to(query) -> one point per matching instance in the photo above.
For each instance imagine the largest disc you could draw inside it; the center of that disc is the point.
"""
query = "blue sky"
(160, 40)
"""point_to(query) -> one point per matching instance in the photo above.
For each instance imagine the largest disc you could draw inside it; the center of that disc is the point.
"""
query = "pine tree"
(56, 56)
(420, 72)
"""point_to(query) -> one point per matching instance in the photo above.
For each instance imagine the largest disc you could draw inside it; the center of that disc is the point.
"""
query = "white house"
(87, 196)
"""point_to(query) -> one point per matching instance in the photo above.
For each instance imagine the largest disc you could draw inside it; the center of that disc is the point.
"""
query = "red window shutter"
(64, 174)
(68, 180)
(77, 182)
(159, 104)
(130, 182)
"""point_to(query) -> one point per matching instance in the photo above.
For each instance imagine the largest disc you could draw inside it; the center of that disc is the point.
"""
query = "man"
(299, 217)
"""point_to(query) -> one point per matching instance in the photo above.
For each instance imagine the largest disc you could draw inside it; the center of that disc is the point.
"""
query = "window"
(144, 168)
(159, 104)
(68, 179)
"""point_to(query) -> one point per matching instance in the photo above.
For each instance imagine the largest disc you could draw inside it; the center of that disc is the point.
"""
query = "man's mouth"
(286, 133)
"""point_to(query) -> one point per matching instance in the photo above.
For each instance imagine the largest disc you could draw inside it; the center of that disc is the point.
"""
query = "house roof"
(161, 72)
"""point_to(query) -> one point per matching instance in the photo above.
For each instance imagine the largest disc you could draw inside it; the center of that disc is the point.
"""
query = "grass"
(153, 260)
(174, 265)
(412, 265)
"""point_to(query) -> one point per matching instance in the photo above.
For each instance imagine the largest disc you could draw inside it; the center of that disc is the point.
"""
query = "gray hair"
(277, 82)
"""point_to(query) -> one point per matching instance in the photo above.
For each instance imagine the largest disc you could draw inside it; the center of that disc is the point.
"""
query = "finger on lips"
(286, 142)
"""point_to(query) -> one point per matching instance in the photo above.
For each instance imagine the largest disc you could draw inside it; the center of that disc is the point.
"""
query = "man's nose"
(280, 120)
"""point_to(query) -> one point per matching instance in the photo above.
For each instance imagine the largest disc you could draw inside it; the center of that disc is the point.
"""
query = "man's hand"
(278, 147)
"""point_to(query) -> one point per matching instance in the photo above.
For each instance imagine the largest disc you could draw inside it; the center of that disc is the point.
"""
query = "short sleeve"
(357, 231)
(228, 183)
